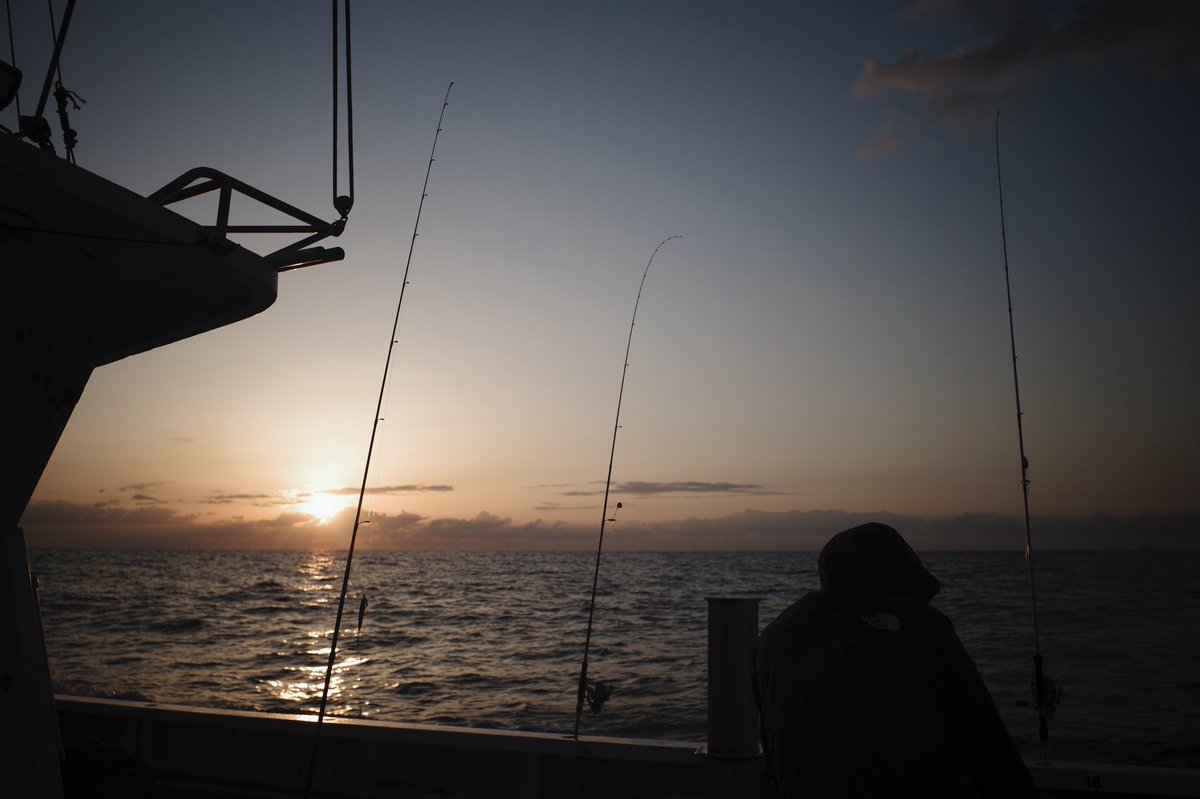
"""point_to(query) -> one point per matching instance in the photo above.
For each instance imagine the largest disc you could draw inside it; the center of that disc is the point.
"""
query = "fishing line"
(583, 683)
(1044, 690)
(358, 520)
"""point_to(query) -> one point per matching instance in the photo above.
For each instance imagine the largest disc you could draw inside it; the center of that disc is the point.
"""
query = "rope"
(12, 53)
(63, 95)
(333, 5)
(41, 133)
(54, 35)
(349, 104)
(343, 203)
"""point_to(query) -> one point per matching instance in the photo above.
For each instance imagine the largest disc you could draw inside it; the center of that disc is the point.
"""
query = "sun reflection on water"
(494, 639)
(309, 681)
(318, 565)
(301, 684)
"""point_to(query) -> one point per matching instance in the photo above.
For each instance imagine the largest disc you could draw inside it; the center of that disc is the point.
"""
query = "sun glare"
(323, 507)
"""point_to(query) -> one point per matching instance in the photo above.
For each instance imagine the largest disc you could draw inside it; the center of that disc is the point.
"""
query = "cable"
(349, 104)
(58, 45)
(343, 203)
(54, 36)
(97, 236)
(63, 95)
(12, 52)
(333, 5)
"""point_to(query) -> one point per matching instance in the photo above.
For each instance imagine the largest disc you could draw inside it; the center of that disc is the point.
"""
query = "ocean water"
(495, 639)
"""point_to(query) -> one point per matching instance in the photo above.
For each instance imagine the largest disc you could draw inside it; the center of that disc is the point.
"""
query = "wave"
(482, 639)
(178, 625)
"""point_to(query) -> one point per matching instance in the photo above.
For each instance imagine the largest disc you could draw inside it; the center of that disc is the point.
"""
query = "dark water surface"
(495, 639)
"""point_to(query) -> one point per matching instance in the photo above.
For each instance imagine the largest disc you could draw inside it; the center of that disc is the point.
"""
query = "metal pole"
(58, 46)
(732, 714)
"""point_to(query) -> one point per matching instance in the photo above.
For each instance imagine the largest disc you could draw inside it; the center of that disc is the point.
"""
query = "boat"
(97, 273)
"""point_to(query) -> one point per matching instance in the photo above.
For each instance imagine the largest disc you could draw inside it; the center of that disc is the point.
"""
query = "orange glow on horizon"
(323, 507)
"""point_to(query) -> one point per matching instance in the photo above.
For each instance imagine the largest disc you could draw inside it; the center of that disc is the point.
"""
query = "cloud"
(66, 524)
(59, 513)
(226, 499)
(411, 488)
(484, 523)
(56, 523)
(1023, 43)
(555, 506)
(689, 487)
(292, 519)
(486, 530)
(386, 523)
(146, 498)
(141, 486)
(483, 532)
(896, 128)
(295, 497)
(183, 439)
(649, 488)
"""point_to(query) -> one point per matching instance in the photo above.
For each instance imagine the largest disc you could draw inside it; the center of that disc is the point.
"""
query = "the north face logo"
(882, 621)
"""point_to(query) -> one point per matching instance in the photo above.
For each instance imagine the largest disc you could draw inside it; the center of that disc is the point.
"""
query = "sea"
(494, 640)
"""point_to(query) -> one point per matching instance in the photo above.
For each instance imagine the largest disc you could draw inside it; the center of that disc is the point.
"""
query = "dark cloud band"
(1023, 43)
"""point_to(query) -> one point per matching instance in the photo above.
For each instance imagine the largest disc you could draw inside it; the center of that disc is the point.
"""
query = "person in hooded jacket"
(865, 690)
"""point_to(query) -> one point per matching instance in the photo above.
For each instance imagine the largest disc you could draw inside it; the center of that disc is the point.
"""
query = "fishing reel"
(596, 694)
(1046, 700)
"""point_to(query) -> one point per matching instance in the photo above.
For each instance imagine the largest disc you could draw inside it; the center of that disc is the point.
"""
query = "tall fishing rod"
(362, 491)
(1044, 690)
(582, 691)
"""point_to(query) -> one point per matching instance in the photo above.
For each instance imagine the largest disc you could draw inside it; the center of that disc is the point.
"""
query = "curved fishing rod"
(582, 692)
(362, 491)
(1044, 690)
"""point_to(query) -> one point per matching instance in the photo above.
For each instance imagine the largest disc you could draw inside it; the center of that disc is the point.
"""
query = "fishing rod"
(362, 491)
(1045, 692)
(583, 682)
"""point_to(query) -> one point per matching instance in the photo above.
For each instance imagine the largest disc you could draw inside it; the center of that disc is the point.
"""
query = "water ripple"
(494, 640)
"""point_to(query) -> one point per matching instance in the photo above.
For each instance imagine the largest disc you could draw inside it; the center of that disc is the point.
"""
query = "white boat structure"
(95, 273)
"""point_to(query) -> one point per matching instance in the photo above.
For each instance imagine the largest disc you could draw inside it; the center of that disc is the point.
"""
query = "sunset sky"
(827, 343)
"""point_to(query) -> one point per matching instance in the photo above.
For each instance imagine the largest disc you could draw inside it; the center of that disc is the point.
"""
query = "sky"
(827, 343)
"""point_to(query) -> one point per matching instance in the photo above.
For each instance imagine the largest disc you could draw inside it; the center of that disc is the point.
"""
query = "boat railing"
(203, 180)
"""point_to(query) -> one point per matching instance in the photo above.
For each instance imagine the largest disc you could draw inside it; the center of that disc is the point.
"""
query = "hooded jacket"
(865, 690)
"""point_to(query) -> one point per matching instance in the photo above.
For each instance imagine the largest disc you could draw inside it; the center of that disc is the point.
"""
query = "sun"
(323, 507)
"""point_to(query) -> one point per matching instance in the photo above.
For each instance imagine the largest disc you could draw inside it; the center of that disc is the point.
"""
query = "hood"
(874, 557)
